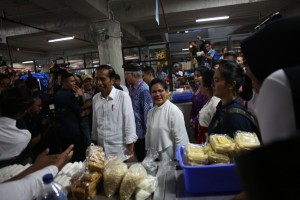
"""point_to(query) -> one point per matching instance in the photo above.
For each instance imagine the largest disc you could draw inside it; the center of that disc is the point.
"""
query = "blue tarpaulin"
(43, 78)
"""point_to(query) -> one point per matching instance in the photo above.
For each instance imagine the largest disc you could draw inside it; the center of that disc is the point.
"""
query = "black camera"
(59, 66)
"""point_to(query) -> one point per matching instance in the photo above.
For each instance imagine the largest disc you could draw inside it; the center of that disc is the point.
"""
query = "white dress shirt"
(27, 188)
(12, 140)
(275, 109)
(113, 121)
(166, 130)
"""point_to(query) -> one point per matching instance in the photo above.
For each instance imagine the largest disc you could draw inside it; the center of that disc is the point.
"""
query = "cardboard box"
(209, 179)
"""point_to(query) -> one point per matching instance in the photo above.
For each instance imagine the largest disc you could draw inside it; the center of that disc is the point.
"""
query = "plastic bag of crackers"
(84, 184)
(245, 141)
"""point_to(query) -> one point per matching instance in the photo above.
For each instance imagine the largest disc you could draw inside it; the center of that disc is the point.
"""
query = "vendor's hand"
(44, 160)
(59, 160)
(131, 159)
(64, 157)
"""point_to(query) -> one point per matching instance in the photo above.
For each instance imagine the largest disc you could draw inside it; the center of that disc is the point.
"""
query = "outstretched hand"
(64, 157)
(58, 160)
(44, 160)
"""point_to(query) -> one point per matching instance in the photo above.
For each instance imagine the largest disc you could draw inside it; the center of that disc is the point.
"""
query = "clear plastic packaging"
(146, 187)
(246, 140)
(207, 148)
(195, 155)
(222, 143)
(84, 183)
(149, 160)
(85, 186)
(113, 174)
(52, 190)
(218, 158)
(135, 174)
(95, 158)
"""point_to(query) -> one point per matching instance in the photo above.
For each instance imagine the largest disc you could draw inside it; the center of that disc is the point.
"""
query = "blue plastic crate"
(182, 97)
(209, 179)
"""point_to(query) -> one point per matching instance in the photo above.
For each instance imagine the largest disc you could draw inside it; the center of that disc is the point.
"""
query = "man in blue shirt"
(207, 57)
(141, 103)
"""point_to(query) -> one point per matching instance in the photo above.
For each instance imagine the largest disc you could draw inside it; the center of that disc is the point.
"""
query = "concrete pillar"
(108, 37)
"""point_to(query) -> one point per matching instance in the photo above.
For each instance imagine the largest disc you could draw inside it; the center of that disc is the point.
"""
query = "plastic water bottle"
(52, 190)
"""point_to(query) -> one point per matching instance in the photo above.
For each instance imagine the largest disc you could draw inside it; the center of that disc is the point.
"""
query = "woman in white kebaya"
(166, 129)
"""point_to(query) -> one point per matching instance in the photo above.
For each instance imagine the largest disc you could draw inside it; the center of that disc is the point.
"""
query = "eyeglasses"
(197, 75)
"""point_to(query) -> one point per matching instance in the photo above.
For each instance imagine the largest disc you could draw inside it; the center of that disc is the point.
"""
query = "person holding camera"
(208, 54)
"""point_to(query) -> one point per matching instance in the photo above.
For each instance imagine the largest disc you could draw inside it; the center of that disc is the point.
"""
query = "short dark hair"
(117, 77)
(230, 53)
(14, 101)
(65, 75)
(149, 70)
(206, 42)
(31, 82)
(111, 71)
(160, 81)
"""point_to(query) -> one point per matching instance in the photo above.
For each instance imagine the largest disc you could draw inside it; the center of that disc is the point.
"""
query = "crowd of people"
(50, 128)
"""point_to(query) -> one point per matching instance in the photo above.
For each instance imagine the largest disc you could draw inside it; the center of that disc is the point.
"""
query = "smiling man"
(113, 118)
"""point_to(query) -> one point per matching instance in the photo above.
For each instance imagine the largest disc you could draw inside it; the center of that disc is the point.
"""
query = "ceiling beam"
(85, 8)
(134, 12)
(92, 9)
(18, 29)
(131, 32)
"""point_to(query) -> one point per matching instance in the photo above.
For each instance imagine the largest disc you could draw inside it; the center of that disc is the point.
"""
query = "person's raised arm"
(44, 160)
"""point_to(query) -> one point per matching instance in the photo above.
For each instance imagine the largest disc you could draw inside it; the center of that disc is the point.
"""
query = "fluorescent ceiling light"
(27, 62)
(212, 19)
(62, 39)
(185, 49)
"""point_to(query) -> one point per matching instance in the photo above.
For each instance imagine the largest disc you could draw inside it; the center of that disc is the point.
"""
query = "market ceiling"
(27, 25)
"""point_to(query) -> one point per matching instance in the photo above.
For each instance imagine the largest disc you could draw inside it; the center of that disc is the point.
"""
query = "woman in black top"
(230, 113)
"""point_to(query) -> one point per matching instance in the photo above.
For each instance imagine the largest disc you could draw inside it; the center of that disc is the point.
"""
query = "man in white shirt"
(29, 184)
(113, 117)
(13, 105)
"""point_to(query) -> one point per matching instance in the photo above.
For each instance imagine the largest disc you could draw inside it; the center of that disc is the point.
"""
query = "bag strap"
(251, 117)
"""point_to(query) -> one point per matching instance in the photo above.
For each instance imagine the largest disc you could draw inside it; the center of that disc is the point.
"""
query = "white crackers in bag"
(135, 174)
